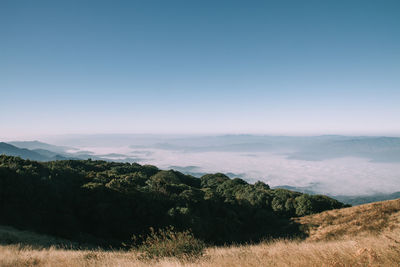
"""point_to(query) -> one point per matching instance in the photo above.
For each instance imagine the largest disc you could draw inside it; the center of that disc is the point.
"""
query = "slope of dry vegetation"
(367, 235)
(365, 220)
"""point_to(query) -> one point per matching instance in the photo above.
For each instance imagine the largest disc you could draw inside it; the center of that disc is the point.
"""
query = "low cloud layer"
(340, 176)
(343, 176)
(335, 165)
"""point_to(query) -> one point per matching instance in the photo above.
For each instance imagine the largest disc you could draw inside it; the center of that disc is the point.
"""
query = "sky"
(199, 67)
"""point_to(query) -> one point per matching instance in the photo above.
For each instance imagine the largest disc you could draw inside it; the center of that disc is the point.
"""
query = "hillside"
(73, 206)
(364, 220)
(366, 235)
(106, 203)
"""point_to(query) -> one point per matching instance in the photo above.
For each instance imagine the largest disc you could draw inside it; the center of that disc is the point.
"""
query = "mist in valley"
(330, 164)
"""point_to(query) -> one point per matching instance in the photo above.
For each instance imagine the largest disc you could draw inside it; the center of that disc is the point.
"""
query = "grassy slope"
(367, 235)
(364, 220)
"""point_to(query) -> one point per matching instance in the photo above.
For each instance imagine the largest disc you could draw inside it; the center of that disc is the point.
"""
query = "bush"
(169, 243)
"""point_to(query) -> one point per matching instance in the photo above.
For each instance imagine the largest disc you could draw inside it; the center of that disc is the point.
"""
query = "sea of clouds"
(339, 176)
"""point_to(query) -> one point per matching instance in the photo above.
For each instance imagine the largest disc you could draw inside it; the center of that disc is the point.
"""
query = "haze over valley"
(329, 164)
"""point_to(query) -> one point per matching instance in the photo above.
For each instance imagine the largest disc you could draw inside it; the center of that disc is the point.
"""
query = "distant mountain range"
(359, 200)
(310, 148)
(39, 151)
(33, 145)
(377, 149)
(352, 200)
(24, 153)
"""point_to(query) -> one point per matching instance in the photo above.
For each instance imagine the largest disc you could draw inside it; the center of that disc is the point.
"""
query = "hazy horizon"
(46, 138)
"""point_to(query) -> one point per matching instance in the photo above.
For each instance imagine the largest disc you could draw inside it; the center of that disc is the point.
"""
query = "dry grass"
(384, 251)
(367, 235)
(365, 220)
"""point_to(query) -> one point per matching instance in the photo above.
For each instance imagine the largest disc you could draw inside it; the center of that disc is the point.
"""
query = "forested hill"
(105, 203)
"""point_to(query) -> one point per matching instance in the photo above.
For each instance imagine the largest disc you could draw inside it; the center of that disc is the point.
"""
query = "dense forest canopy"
(105, 203)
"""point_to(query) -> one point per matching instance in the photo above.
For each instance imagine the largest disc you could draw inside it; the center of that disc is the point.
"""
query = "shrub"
(169, 243)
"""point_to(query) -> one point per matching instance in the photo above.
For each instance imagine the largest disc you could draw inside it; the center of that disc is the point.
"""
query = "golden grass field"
(367, 235)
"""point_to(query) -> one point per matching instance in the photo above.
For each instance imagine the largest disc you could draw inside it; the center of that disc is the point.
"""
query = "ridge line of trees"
(105, 203)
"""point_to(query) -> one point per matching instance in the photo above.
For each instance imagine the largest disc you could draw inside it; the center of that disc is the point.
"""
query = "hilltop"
(366, 235)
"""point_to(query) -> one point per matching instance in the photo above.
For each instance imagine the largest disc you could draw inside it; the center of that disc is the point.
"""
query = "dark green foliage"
(107, 202)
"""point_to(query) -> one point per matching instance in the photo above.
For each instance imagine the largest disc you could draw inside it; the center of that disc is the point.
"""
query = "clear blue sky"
(265, 67)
